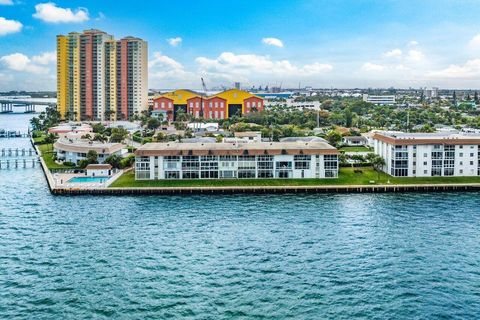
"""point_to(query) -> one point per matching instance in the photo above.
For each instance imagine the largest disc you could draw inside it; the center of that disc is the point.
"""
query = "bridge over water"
(28, 106)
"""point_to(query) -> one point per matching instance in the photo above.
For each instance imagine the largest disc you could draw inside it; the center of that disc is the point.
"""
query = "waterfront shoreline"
(270, 189)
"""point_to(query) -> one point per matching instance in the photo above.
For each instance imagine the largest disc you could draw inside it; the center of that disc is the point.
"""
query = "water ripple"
(382, 256)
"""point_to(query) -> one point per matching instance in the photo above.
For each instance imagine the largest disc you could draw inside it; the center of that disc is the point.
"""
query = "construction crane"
(204, 86)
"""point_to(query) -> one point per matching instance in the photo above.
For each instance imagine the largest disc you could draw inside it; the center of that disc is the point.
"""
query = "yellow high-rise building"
(99, 78)
(62, 74)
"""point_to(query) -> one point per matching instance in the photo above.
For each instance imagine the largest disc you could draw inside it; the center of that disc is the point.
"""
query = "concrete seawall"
(46, 171)
(272, 190)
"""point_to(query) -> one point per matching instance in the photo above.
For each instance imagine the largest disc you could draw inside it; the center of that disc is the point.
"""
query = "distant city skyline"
(312, 43)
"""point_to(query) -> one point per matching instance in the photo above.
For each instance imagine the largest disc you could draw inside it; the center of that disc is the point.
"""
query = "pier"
(19, 163)
(23, 152)
(13, 134)
(19, 158)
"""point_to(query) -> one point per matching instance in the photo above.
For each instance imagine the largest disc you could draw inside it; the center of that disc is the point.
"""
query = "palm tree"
(109, 114)
(377, 163)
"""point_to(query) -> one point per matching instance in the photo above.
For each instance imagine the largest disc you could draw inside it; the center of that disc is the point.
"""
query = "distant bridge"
(7, 106)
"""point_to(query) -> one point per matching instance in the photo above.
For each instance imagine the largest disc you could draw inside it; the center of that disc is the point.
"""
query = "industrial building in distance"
(99, 77)
(250, 160)
(429, 154)
(218, 106)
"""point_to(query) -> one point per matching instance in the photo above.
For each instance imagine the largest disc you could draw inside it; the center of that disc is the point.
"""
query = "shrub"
(127, 162)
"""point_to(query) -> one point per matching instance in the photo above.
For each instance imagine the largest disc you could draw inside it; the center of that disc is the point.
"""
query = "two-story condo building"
(428, 154)
(74, 150)
(176, 160)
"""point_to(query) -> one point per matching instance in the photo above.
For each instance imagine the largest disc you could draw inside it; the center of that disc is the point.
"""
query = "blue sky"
(316, 43)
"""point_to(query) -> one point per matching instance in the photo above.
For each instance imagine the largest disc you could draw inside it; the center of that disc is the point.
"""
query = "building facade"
(74, 150)
(98, 76)
(222, 105)
(283, 160)
(380, 100)
(428, 154)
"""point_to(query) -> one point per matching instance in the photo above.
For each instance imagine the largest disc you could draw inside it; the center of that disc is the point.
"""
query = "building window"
(331, 166)
(172, 174)
(302, 162)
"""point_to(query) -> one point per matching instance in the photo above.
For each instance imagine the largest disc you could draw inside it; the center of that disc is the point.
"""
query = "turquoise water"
(88, 179)
(370, 256)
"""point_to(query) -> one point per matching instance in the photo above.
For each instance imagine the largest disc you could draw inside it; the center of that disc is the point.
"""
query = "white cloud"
(475, 42)
(246, 67)
(317, 68)
(6, 2)
(9, 26)
(470, 69)
(415, 55)
(394, 53)
(273, 42)
(413, 43)
(166, 72)
(369, 66)
(174, 41)
(100, 17)
(160, 60)
(45, 58)
(49, 12)
(22, 63)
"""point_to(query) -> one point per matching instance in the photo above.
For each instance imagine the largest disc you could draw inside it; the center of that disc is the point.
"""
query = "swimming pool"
(88, 179)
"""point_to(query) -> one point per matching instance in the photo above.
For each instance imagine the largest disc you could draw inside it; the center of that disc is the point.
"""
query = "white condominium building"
(176, 160)
(428, 154)
(380, 100)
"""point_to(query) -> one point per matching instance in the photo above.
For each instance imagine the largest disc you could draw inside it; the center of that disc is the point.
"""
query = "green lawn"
(355, 149)
(47, 155)
(347, 176)
(39, 140)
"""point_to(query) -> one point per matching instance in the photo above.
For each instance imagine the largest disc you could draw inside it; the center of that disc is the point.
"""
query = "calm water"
(398, 256)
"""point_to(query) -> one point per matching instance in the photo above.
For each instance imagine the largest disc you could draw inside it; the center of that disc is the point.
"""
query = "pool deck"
(58, 182)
